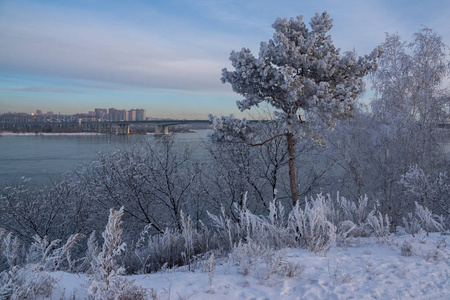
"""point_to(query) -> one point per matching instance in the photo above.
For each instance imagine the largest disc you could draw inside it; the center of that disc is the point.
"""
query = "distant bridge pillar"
(105, 128)
(162, 130)
(122, 129)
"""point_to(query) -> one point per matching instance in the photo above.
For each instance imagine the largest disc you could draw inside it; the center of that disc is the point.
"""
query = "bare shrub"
(247, 255)
(406, 249)
(337, 275)
(278, 264)
(432, 255)
(442, 244)
(210, 267)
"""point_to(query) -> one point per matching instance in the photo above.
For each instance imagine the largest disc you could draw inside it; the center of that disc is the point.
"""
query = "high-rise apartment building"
(123, 115)
(101, 113)
(114, 114)
(132, 115)
(140, 114)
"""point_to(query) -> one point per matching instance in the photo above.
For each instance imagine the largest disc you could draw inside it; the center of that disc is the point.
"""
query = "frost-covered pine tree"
(299, 72)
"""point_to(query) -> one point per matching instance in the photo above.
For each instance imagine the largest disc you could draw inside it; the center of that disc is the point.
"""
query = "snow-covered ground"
(366, 268)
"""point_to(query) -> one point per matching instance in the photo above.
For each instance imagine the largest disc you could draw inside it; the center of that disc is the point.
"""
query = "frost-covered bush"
(29, 282)
(228, 231)
(350, 212)
(278, 264)
(29, 278)
(188, 234)
(430, 190)
(160, 250)
(11, 250)
(423, 219)
(349, 217)
(247, 255)
(316, 226)
(105, 282)
(92, 251)
(310, 225)
(51, 258)
(169, 249)
(119, 288)
(379, 226)
(268, 231)
(173, 247)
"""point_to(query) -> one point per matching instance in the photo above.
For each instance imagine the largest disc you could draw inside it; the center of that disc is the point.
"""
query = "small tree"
(299, 71)
(410, 77)
(411, 101)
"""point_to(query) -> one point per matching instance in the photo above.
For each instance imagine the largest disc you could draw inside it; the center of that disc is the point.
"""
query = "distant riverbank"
(3, 134)
(46, 133)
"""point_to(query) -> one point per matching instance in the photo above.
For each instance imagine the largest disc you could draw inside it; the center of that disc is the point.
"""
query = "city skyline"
(167, 56)
(132, 113)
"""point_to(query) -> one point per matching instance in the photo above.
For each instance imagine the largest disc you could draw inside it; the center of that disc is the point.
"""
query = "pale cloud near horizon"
(44, 89)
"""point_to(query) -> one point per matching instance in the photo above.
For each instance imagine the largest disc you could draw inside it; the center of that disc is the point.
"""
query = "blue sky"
(166, 55)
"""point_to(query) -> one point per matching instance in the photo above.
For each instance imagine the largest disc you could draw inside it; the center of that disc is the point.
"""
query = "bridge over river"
(117, 127)
(113, 127)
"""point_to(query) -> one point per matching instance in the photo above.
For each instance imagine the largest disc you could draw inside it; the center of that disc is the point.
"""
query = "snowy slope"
(367, 268)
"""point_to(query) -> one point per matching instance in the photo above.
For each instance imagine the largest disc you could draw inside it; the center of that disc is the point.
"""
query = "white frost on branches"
(300, 69)
(105, 282)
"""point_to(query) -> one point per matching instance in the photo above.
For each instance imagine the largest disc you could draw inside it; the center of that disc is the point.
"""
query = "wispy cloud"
(75, 46)
(45, 89)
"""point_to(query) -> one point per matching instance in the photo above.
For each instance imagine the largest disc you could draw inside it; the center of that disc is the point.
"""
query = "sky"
(166, 55)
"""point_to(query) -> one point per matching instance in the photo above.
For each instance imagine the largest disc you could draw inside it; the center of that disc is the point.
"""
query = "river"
(42, 157)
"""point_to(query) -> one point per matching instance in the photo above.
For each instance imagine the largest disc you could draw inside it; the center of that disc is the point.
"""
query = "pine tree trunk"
(293, 184)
